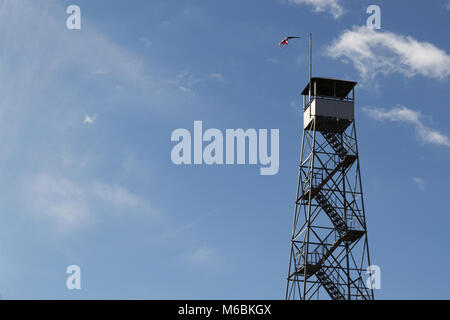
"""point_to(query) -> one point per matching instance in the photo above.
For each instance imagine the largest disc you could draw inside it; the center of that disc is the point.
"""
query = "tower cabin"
(328, 105)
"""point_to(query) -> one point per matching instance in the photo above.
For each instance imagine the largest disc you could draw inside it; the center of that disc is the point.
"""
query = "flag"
(286, 41)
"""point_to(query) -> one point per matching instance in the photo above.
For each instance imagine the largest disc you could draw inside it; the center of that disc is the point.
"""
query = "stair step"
(329, 286)
(346, 162)
(336, 144)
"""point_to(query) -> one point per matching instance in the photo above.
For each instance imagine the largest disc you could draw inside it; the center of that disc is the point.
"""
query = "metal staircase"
(329, 285)
(345, 161)
(335, 142)
(335, 218)
(322, 252)
(315, 265)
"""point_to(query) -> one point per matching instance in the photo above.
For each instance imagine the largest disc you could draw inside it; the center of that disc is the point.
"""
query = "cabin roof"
(325, 87)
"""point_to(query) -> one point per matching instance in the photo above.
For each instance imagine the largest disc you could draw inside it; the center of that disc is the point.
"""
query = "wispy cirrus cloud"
(187, 91)
(90, 119)
(45, 66)
(188, 83)
(57, 199)
(99, 73)
(117, 195)
(414, 118)
(146, 42)
(41, 52)
(187, 78)
(332, 6)
(217, 76)
(374, 52)
(204, 256)
(419, 182)
(45, 72)
(272, 60)
(70, 203)
(447, 5)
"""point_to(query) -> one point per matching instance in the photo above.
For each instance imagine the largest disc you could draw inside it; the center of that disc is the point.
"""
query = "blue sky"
(86, 118)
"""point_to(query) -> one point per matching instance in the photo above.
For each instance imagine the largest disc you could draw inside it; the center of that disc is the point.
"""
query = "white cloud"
(59, 200)
(420, 183)
(373, 52)
(187, 78)
(187, 91)
(146, 42)
(217, 76)
(186, 81)
(43, 76)
(117, 195)
(447, 5)
(403, 114)
(90, 119)
(69, 203)
(99, 73)
(41, 52)
(204, 255)
(272, 60)
(332, 6)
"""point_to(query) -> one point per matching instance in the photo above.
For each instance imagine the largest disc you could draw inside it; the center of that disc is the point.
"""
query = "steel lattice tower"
(329, 252)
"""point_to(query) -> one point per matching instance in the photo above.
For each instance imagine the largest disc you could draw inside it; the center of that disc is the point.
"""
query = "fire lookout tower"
(329, 252)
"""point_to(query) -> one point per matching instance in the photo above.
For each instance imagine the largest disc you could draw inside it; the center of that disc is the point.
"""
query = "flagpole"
(310, 65)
